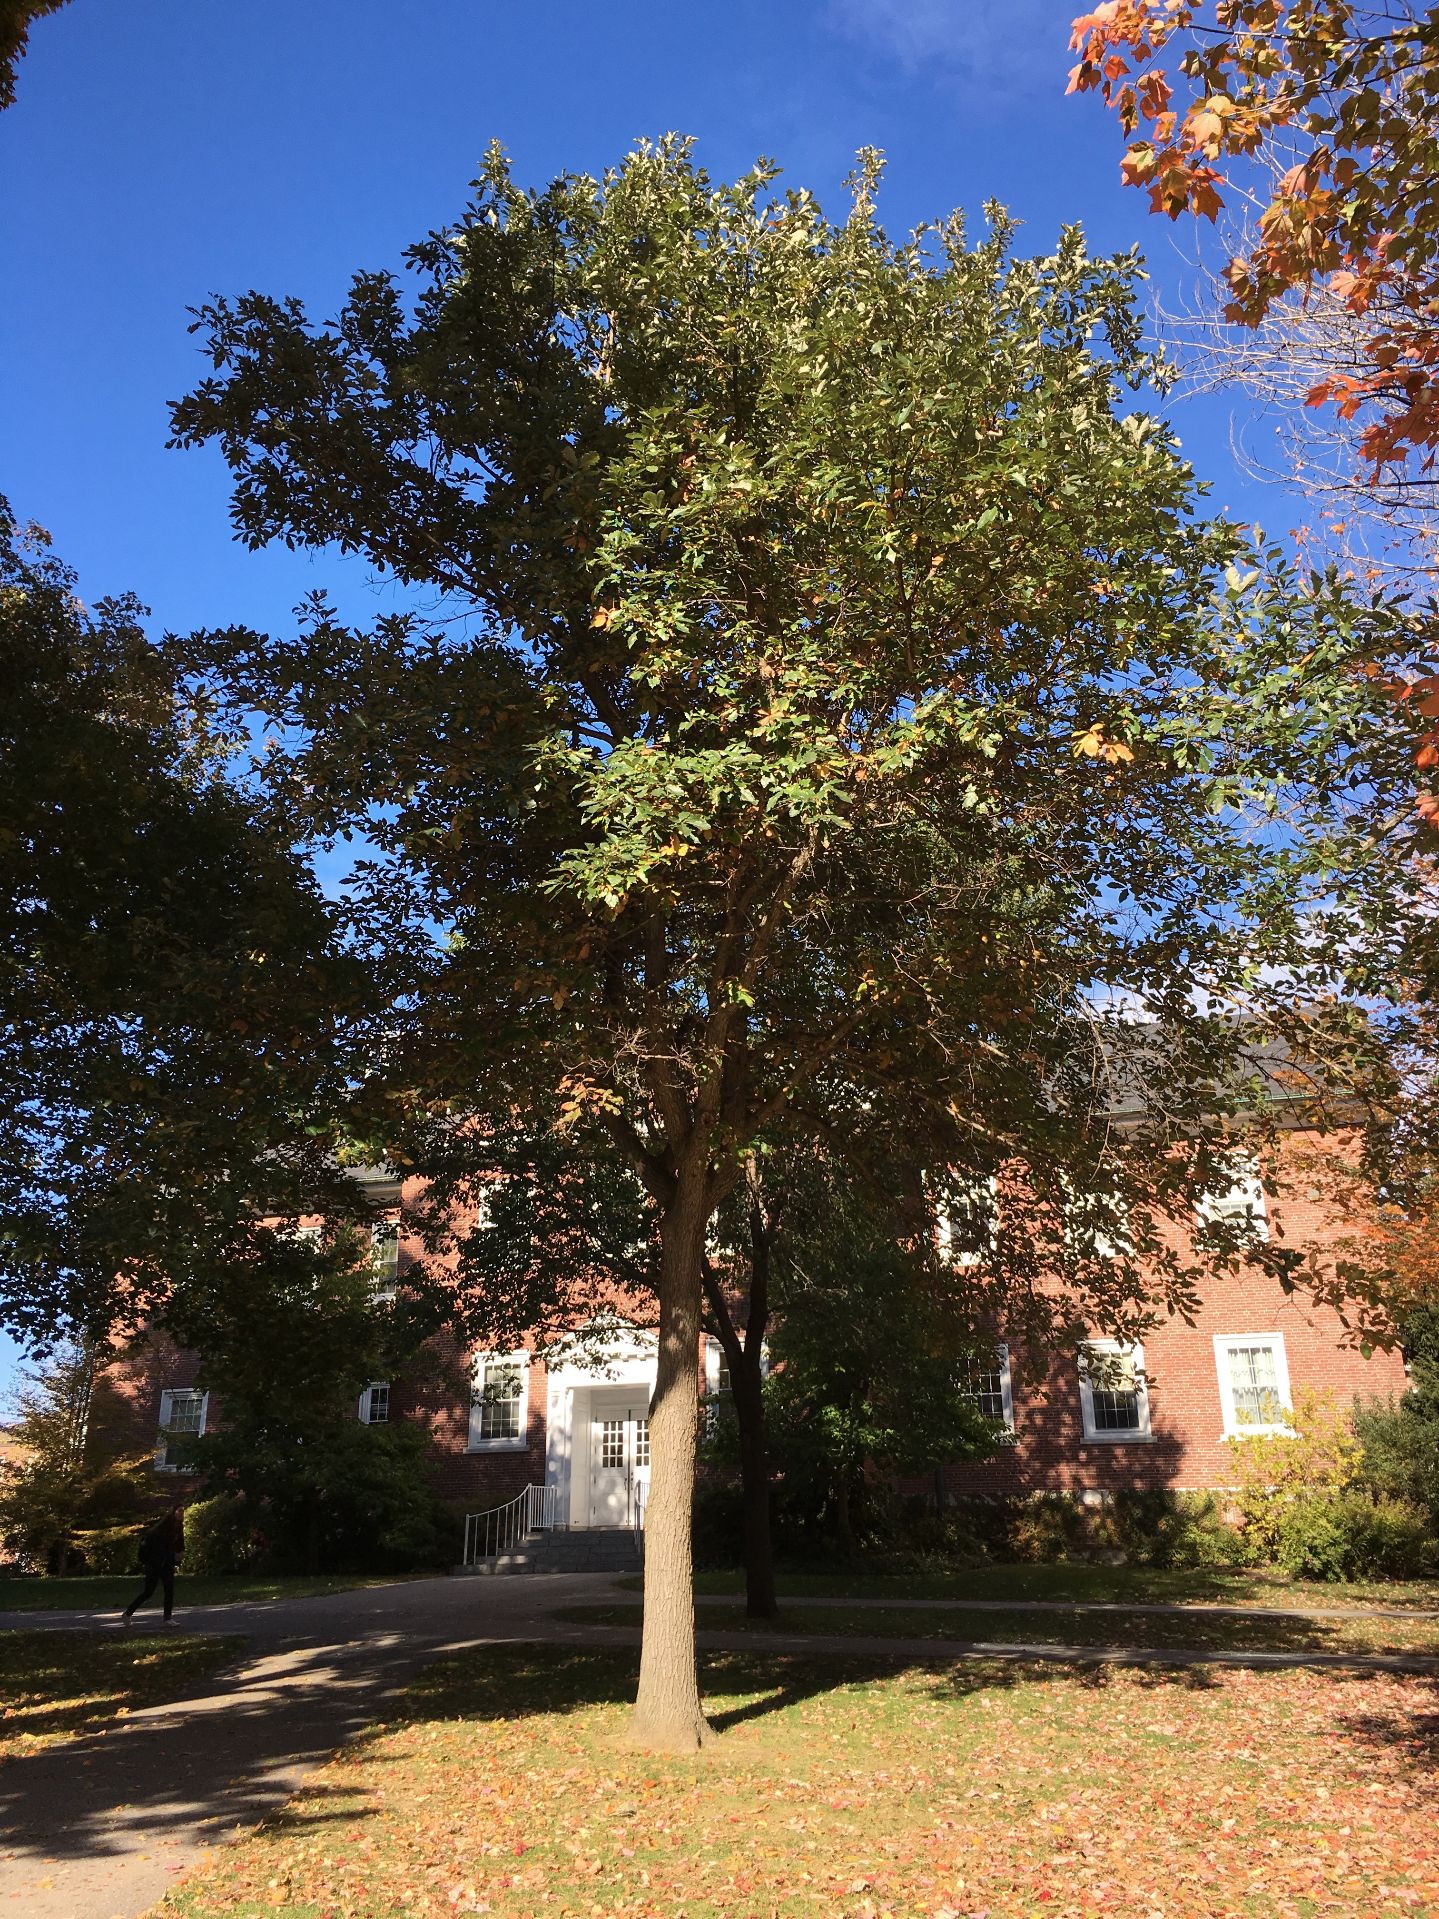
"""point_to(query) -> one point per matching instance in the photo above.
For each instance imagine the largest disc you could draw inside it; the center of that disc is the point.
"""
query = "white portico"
(597, 1436)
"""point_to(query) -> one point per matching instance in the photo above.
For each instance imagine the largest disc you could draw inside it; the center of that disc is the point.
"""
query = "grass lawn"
(840, 1791)
(57, 1685)
(1199, 1631)
(108, 1593)
(1080, 1581)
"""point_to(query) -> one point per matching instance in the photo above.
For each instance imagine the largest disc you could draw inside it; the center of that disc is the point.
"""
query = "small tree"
(1401, 1440)
(869, 1356)
(290, 1337)
(70, 1475)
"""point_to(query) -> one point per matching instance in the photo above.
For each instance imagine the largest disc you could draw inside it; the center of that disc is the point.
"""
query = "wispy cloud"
(994, 50)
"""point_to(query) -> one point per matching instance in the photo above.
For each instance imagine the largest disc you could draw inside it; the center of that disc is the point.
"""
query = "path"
(100, 1827)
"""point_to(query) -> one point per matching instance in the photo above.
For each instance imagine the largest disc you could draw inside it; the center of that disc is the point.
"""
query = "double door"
(619, 1455)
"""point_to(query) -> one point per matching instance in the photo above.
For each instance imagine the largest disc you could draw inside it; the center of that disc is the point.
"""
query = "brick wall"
(1187, 1450)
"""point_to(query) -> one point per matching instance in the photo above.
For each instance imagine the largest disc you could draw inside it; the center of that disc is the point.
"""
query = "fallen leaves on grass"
(837, 1792)
(59, 1685)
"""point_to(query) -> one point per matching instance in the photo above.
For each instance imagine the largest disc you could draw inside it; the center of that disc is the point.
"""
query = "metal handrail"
(642, 1496)
(501, 1528)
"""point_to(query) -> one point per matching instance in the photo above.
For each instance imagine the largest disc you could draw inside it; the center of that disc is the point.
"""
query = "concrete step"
(579, 1550)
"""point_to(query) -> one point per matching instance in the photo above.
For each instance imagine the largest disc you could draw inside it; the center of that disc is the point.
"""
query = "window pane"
(1113, 1393)
(500, 1401)
(385, 1256)
(983, 1382)
(642, 1442)
(612, 1443)
(378, 1404)
(1254, 1384)
(184, 1413)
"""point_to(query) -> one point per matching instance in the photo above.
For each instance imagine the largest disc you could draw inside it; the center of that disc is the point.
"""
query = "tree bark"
(744, 1358)
(667, 1715)
(746, 1384)
(844, 1527)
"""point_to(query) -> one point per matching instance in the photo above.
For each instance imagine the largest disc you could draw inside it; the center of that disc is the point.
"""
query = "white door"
(619, 1455)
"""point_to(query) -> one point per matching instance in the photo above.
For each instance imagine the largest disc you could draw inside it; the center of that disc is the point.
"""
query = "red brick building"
(1102, 1418)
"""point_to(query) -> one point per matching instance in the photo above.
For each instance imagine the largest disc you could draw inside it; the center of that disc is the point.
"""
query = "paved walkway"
(100, 1827)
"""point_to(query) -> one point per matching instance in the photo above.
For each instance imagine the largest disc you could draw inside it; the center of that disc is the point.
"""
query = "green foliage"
(841, 642)
(868, 1357)
(1401, 1440)
(1047, 1528)
(72, 1485)
(1313, 1462)
(222, 1535)
(110, 1549)
(169, 997)
(1352, 1535)
(1178, 1531)
(287, 1349)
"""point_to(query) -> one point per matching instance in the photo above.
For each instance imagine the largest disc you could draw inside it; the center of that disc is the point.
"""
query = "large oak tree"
(813, 672)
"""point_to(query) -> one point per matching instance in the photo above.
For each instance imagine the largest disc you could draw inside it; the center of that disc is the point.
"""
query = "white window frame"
(981, 1197)
(1117, 1349)
(1223, 1342)
(478, 1443)
(367, 1403)
(168, 1396)
(1000, 1366)
(716, 1363)
(383, 1234)
(1243, 1202)
(1088, 1240)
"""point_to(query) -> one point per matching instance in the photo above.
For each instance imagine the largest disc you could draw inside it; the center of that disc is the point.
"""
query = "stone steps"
(579, 1550)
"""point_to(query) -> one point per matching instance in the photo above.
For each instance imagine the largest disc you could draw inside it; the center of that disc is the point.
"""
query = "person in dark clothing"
(160, 1552)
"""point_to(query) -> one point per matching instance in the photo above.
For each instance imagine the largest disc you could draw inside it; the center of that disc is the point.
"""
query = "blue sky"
(164, 150)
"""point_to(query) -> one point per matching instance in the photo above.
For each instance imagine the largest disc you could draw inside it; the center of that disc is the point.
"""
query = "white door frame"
(626, 1357)
(619, 1454)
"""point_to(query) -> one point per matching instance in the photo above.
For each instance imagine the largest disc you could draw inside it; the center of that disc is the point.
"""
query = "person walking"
(160, 1552)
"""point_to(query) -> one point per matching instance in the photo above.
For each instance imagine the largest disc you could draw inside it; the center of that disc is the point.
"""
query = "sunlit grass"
(846, 1791)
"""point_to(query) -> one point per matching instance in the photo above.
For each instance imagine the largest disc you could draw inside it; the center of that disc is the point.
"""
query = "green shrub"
(1176, 1531)
(1046, 1528)
(1314, 1462)
(1355, 1536)
(222, 1536)
(110, 1549)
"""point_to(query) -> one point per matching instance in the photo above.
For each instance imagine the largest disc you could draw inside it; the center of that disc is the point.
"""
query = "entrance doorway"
(619, 1454)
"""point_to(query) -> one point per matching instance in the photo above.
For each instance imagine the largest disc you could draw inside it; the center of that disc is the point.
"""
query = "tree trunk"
(843, 1525)
(747, 1386)
(667, 1715)
(744, 1358)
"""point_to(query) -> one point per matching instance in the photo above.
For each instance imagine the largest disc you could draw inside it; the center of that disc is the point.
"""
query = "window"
(966, 1217)
(1237, 1208)
(986, 1381)
(375, 1403)
(1253, 1383)
(182, 1415)
(1113, 1392)
(497, 1410)
(1095, 1223)
(385, 1259)
(717, 1374)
